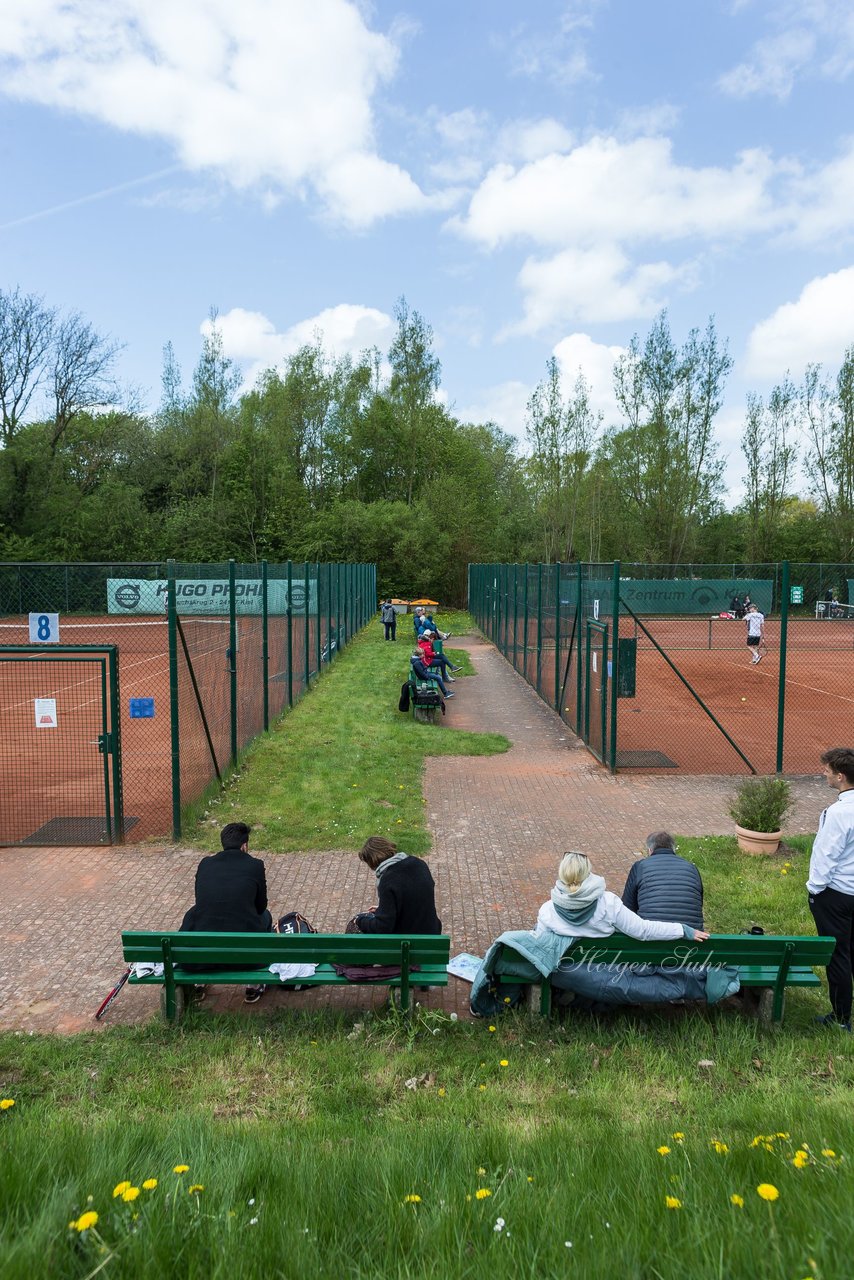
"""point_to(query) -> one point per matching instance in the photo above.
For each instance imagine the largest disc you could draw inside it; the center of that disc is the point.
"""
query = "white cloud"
(817, 328)
(619, 191)
(252, 340)
(527, 140)
(503, 404)
(594, 286)
(810, 37)
(559, 54)
(578, 353)
(260, 93)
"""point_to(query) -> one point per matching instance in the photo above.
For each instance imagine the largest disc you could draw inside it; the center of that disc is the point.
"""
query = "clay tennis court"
(54, 777)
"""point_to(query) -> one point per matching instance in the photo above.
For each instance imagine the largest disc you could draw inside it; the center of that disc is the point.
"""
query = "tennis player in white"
(755, 632)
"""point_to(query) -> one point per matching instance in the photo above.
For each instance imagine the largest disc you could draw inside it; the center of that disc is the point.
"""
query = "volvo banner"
(208, 596)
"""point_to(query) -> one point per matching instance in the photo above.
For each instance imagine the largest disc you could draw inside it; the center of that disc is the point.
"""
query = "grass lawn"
(344, 761)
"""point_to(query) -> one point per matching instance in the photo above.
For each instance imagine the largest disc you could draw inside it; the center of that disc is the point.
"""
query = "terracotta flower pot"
(757, 842)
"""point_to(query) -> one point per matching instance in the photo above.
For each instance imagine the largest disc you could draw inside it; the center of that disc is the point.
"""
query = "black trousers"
(833, 913)
(391, 629)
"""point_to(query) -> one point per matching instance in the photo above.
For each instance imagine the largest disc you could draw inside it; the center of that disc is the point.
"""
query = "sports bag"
(293, 922)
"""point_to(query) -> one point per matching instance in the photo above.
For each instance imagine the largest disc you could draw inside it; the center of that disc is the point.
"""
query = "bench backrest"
(721, 949)
(256, 949)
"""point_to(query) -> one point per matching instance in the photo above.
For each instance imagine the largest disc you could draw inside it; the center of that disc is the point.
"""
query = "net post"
(265, 647)
(172, 628)
(290, 617)
(557, 637)
(781, 688)
(232, 655)
(615, 649)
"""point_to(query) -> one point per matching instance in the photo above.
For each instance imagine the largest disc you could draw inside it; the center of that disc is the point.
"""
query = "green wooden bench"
(249, 954)
(764, 962)
(426, 714)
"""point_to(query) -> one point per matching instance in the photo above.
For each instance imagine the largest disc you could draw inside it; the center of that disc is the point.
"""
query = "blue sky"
(535, 179)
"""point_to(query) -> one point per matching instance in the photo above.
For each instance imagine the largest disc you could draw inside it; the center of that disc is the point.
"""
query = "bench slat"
(262, 949)
(426, 975)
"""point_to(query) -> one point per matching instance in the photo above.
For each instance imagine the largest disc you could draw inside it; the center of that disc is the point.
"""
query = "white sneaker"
(759, 657)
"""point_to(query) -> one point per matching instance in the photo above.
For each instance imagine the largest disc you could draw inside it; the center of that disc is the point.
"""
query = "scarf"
(389, 862)
(577, 908)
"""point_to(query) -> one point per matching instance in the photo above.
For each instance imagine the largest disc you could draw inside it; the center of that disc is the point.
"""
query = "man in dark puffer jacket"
(664, 886)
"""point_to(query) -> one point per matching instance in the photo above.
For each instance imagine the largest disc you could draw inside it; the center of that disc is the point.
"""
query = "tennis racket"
(102, 1009)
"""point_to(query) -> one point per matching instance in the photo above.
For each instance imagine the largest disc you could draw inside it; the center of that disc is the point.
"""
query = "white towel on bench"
(147, 969)
(287, 972)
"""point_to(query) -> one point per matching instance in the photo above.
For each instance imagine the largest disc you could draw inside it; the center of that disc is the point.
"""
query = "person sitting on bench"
(231, 894)
(425, 644)
(428, 622)
(406, 891)
(424, 673)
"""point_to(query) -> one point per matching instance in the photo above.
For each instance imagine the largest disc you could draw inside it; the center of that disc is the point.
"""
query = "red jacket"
(426, 647)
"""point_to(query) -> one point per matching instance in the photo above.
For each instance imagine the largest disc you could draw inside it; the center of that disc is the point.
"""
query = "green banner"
(680, 596)
(208, 596)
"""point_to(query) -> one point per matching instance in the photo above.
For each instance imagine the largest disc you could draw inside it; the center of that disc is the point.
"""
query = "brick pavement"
(499, 825)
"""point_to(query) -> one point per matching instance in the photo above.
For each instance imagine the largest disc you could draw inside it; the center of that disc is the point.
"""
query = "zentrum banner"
(209, 596)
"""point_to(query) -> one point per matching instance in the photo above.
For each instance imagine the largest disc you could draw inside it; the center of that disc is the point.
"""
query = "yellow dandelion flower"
(492, 1028)
(6, 1103)
(673, 1202)
(506, 999)
(782, 1135)
(663, 1151)
(720, 1147)
(180, 1168)
(441, 1092)
(120, 1189)
(482, 1087)
(130, 1195)
(85, 1221)
(504, 1063)
(826, 1151)
(759, 1140)
(482, 1193)
(530, 1178)
(678, 1137)
(195, 1188)
(411, 1199)
(737, 1200)
(768, 1146)
(767, 1191)
(480, 1172)
(149, 1184)
(468, 1197)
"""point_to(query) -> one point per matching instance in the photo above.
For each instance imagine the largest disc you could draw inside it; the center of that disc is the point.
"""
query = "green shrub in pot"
(761, 804)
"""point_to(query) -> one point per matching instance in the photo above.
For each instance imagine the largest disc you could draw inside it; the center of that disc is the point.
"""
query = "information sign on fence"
(208, 596)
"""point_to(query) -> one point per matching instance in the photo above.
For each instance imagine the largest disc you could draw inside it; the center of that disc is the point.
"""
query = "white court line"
(798, 683)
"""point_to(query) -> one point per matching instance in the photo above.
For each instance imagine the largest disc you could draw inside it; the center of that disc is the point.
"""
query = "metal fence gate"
(60, 749)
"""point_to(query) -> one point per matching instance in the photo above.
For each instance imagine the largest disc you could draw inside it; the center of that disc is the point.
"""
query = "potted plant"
(759, 807)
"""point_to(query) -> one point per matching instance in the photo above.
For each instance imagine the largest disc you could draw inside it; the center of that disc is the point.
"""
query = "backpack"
(293, 922)
(403, 704)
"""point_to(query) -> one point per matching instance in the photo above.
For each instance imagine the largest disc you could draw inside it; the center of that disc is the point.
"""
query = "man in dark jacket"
(406, 891)
(664, 886)
(231, 893)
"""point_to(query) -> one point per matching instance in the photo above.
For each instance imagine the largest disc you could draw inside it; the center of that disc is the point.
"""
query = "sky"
(535, 179)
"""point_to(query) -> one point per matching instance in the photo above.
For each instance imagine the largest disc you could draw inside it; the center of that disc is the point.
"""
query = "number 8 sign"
(44, 628)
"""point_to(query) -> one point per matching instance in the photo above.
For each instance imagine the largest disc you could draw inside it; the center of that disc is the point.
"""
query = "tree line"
(358, 459)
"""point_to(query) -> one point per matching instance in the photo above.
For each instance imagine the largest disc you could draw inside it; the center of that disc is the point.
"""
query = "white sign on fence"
(44, 628)
(45, 713)
(209, 596)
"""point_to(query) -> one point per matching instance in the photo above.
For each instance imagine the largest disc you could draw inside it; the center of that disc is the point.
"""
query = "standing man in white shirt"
(831, 883)
(755, 632)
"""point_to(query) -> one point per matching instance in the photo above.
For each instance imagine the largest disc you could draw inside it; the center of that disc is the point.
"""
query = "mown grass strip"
(345, 763)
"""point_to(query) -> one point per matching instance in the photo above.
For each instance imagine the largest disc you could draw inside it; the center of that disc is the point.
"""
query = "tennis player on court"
(755, 632)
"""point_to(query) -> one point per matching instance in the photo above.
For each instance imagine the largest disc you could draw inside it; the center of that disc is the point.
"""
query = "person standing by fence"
(755, 632)
(388, 613)
(831, 883)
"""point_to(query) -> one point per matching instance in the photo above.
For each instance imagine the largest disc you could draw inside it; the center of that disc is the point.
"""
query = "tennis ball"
(744, 699)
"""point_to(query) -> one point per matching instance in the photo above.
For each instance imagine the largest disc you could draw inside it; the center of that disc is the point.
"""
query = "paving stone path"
(499, 825)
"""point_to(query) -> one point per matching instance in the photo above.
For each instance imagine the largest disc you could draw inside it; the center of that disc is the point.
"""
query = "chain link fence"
(206, 658)
(649, 664)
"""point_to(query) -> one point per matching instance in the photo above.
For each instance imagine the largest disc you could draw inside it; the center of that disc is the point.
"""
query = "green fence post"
(337, 606)
(289, 615)
(579, 614)
(172, 629)
(539, 627)
(306, 628)
(328, 612)
(781, 688)
(265, 647)
(525, 628)
(319, 639)
(515, 613)
(558, 707)
(116, 744)
(232, 654)
(615, 649)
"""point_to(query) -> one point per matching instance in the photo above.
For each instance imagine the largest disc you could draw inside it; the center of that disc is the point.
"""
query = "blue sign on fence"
(142, 708)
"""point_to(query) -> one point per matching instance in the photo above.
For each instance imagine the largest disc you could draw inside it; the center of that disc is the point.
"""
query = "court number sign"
(44, 628)
(797, 595)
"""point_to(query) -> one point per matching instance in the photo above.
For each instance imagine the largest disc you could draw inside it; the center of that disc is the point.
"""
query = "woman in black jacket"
(406, 891)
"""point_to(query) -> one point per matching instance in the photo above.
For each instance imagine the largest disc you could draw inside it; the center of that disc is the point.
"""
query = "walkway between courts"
(499, 826)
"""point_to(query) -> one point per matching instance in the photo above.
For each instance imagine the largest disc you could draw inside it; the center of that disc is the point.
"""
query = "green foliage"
(761, 804)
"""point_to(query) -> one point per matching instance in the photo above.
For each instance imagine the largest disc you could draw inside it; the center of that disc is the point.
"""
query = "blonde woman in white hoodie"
(581, 907)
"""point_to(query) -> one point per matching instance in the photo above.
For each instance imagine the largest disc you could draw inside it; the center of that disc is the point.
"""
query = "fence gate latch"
(105, 743)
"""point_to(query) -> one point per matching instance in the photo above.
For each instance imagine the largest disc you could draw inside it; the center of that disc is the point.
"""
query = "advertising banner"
(675, 595)
(208, 596)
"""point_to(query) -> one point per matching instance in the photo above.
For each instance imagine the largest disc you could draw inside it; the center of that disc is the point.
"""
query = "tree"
(664, 463)
(81, 372)
(26, 335)
(830, 453)
(415, 377)
(770, 452)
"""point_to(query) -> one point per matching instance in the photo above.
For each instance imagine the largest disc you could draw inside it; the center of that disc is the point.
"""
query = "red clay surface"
(59, 773)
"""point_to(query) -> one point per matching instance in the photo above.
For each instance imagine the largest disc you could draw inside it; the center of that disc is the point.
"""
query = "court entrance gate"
(61, 749)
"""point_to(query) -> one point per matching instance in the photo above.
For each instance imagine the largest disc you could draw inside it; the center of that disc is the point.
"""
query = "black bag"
(293, 922)
(403, 704)
(427, 695)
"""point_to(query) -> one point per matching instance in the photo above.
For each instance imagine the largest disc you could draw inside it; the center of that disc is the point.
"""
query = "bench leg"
(770, 1006)
(179, 1004)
